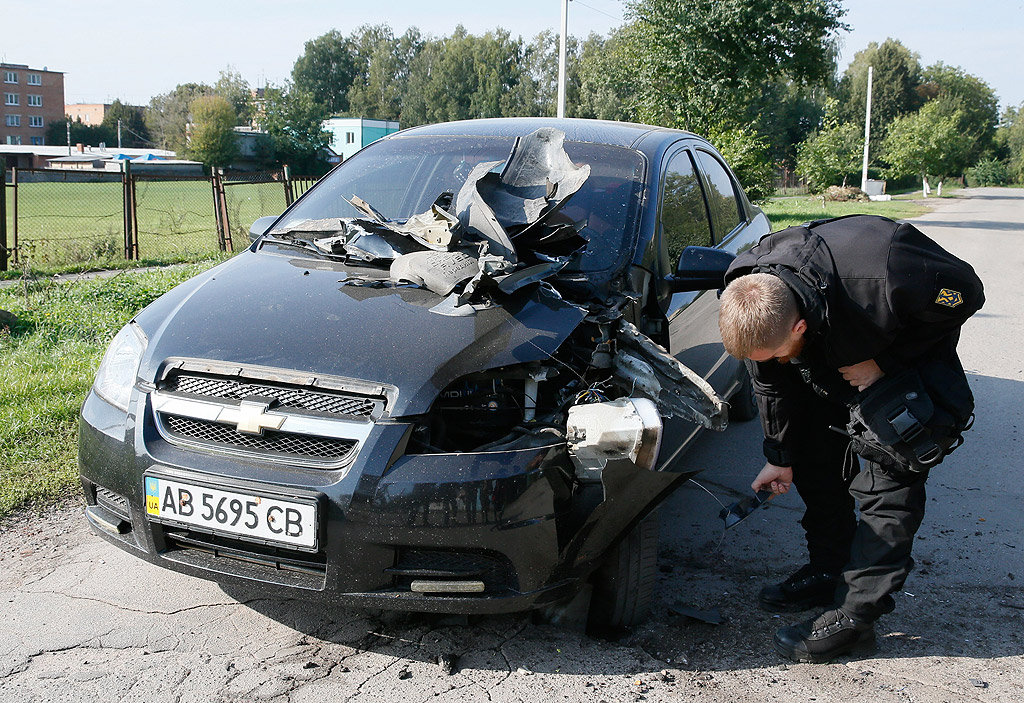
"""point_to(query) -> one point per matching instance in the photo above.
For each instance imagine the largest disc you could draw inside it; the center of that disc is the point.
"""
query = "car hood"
(296, 313)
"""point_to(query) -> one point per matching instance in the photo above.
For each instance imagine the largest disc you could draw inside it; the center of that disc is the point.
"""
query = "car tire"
(743, 403)
(624, 585)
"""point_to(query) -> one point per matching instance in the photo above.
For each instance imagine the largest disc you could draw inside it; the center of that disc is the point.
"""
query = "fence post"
(289, 194)
(216, 208)
(14, 215)
(3, 214)
(133, 219)
(220, 208)
(126, 207)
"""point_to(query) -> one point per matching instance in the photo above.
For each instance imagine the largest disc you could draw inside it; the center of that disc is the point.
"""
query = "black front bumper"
(504, 518)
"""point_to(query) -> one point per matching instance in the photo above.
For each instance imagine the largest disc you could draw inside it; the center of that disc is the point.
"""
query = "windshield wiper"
(289, 239)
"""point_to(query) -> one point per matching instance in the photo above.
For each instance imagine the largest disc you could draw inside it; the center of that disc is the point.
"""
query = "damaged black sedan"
(456, 376)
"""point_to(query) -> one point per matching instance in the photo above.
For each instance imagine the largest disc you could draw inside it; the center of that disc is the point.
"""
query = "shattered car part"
(735, 513)
(437, 271)
(675, 388)
(627, 428)
(437, 228)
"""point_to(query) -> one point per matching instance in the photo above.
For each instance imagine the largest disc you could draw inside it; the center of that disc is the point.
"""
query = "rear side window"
(684, 217)
(722, 200)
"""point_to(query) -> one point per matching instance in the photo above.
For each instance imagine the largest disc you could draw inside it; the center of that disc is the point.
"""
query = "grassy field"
(68, 226)
(789, 211)
(47, 363)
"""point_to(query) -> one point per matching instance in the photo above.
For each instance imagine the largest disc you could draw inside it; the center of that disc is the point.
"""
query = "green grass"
(786, 212)
(71, 226)
(47, 363)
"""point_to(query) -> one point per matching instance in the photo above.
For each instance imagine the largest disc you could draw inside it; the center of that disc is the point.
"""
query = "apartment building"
(31, 99)
(88, 113)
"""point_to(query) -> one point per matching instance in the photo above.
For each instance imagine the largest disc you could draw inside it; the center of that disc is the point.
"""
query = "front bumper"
(391, 518)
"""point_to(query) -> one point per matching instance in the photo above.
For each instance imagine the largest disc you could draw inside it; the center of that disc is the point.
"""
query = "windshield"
(402, 176)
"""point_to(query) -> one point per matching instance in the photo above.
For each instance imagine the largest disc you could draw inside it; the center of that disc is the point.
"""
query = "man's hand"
(776, 479)
(862, 375)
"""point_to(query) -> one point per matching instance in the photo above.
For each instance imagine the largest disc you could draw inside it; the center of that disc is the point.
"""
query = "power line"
(578, 2)
(131, 131)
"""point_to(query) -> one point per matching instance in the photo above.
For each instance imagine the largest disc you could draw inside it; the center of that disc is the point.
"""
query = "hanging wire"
(722, 538)
(606, 14)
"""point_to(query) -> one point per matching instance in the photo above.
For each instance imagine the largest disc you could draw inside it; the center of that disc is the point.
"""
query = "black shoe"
(810, 587)
(825, 637)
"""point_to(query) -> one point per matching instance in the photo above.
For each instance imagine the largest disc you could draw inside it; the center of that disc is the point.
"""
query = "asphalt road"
(83, 621)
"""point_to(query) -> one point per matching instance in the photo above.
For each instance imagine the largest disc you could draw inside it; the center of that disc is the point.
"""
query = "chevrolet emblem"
(251, 417)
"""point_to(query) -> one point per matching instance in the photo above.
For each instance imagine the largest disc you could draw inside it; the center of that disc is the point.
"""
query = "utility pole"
(561, 58)
(119, 134)
(867, 134)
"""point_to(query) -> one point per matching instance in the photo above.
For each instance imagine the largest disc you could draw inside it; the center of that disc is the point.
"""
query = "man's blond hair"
(758, 310)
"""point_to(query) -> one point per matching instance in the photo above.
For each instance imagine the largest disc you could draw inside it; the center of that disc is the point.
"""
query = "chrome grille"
(281, 445)
(287, 398)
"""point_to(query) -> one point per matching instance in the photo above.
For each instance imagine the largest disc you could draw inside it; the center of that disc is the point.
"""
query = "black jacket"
(869, 288)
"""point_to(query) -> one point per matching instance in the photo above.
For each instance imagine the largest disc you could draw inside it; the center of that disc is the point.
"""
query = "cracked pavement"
(84, 621)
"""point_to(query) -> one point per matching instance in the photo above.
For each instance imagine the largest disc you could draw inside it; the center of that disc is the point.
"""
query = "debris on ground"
(711, 617)
(842, 194)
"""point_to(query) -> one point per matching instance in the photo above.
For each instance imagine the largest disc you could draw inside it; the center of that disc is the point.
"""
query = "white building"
(350, 134)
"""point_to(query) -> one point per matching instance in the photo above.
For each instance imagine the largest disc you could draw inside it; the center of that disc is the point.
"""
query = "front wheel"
(624, 585)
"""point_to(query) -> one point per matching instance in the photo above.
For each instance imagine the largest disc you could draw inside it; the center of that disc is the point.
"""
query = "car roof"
(625, 134)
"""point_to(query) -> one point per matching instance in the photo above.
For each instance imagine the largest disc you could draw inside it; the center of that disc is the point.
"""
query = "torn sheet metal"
(373, 241)
(655, 373)
(539, 161)
(436, 228)
(476, 215)
(365, 208)
(438, 271)
(499, 201)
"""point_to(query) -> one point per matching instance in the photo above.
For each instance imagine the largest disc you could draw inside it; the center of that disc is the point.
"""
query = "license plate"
(243, 515)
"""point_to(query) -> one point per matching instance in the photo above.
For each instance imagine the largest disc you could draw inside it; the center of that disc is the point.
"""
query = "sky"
(123, 49)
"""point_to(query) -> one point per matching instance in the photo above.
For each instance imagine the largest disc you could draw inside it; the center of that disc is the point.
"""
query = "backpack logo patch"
(949, 298)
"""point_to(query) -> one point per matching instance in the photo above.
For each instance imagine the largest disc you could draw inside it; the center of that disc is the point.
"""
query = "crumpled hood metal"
(282, 312)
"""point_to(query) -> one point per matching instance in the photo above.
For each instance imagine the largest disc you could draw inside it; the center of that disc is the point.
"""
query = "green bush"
(988, 172)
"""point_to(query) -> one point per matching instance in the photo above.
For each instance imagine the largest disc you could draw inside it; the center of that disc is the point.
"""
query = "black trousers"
(872, 553)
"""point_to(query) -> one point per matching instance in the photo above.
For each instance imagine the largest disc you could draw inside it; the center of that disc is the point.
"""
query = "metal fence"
(52, 218)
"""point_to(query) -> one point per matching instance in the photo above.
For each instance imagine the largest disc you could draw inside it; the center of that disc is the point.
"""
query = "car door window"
(684, 218)
(722, 200)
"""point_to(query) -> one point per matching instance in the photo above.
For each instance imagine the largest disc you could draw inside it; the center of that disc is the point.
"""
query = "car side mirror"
(700, 268)
(260, 227)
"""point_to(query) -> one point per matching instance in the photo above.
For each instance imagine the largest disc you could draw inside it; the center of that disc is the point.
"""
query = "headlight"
(119, 367)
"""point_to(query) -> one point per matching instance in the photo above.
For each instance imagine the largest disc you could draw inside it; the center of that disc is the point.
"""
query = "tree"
(464, 76)
(747, 154)
(211, 134)
(168, 114)
(1010, 141)
(927, 143)
(606, 87)
(235, 89)
(698, 64)
(896, 79)
(832, 153)
(326, 69)
(134, 132)
(81, 133)
(294, 122)
(378, 89)
(977, 102)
